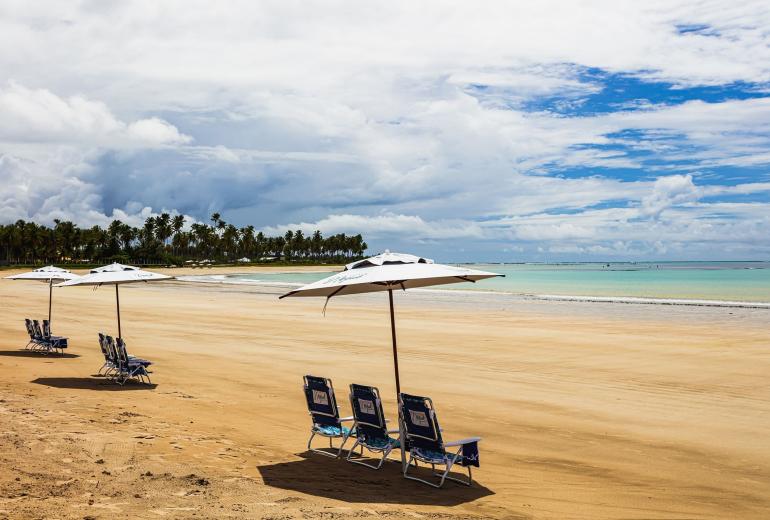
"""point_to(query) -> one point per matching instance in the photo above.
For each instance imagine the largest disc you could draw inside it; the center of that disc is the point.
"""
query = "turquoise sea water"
(714, 281)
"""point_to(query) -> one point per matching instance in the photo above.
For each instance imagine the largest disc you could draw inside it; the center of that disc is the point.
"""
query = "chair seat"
(134, 362)
(431, 456)
(380, 443)
(331, 431)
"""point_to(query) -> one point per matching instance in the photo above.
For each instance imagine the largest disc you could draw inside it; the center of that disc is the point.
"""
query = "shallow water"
(706, 283)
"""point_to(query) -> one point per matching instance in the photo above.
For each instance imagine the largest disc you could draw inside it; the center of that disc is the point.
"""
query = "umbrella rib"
(465, 279)
(330, 297)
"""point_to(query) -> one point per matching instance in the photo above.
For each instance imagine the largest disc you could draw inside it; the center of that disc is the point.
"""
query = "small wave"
(651, 301)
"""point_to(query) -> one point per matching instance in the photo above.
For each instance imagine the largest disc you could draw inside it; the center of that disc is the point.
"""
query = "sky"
(462, 131)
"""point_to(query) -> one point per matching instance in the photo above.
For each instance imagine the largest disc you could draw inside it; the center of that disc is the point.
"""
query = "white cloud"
(387, 226)
(667, 192)
(155, 131)
(394, 119)
(40, 116)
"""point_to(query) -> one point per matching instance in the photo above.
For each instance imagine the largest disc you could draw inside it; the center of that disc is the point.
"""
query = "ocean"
(743, 284)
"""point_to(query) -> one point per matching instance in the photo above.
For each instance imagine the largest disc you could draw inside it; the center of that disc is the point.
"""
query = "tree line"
(164, 240)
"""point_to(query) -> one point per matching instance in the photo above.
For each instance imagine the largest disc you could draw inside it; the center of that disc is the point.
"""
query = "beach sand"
(587, 411)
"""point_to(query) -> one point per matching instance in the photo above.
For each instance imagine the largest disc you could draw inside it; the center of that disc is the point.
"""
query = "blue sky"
(542, 131)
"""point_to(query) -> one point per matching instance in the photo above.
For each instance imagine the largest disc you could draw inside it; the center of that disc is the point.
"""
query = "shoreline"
(225, 279)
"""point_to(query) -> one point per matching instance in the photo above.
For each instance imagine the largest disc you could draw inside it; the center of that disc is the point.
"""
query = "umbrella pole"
(398, 382)
(50, 297)
(117, 300)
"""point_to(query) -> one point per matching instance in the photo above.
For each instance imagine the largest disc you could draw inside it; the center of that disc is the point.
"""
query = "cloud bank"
(528, 131)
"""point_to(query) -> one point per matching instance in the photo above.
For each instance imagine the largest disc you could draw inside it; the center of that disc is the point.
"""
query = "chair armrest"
(462, 441)
(343, 419)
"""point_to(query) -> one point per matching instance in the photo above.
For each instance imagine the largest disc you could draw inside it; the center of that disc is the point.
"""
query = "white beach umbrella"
(48, 274)
(116, 274)
(386, 272)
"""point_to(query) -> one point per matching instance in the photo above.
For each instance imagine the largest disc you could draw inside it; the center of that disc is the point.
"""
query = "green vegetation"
(163, 240)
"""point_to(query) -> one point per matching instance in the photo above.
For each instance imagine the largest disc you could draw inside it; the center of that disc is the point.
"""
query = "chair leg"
(385, 454)
(352, 451)
(331, 445)
(383, 458)
(342, 445)
(320, 452)
(444, 476)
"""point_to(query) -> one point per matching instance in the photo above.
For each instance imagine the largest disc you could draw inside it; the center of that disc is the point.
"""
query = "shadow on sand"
(32, 353)
(91, 383)
(335, 478)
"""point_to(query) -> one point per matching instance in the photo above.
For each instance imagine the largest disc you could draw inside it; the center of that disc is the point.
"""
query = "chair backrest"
(30, 328)
(46, 329)
(122, 352)
(105, 349)
(367, 412)
(109, 344)
(38, 332)
(420, 422)
(321, 402)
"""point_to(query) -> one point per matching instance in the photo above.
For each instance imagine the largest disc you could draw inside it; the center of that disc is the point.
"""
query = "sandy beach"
(587, 410)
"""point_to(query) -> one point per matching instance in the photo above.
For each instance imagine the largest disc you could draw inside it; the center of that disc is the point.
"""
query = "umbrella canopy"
(48, 274)
(115, 274)
(386, 272)
(45, 274)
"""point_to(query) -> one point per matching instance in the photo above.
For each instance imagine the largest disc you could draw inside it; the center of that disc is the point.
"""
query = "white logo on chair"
(366, 406)
(419, 418)
(320, 397)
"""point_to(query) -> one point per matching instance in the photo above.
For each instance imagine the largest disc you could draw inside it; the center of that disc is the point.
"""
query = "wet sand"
(586, 410)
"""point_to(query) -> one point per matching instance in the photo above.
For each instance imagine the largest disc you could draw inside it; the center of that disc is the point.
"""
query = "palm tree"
(163, 228)
(298, 243)
(230, 241)
(247, 245)
(316, 244)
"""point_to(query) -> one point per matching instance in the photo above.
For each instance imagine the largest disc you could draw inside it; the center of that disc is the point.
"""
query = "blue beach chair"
(43, 345)
(109, 364)
(322, 406)
(113, 368)
(55, 342)
(423, 436)
(32, 344)
(370, 425)
(130, 367)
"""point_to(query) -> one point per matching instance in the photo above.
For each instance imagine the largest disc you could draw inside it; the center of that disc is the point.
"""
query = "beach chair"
(108, 365)
(369, 425)
(322, 406)
(112, 356)
(56, 342)
(42, 345)
(130, 367)
(32, 343)
(423, 438)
